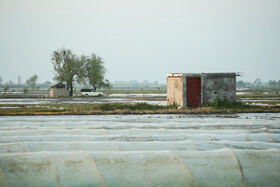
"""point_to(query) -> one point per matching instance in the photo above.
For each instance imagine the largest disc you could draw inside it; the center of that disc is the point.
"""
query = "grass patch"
(30, 111)
(220, 107)
(257, 96)
(132, 107)
(105, 107)
(225, 104)
(79, 109)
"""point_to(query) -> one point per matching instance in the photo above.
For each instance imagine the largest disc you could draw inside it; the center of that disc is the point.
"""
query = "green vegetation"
(261, 96)
(93, 72)
(117, 107)
(69, 68)
(220, 107)
(30, 111)
(25, 90)
(66, 66)
(241, 107)
(32, 81)
(258, 84)
(225, 104)
(132, 107)
(80, 109)
(5, 89)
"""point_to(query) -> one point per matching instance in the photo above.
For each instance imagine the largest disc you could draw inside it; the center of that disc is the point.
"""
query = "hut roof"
(59, 85)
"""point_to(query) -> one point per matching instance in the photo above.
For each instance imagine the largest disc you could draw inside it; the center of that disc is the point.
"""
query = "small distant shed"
(59, 90)
(196, 89)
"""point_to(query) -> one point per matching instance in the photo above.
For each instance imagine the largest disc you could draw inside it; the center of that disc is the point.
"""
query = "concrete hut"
(59, 90)
(196, 89)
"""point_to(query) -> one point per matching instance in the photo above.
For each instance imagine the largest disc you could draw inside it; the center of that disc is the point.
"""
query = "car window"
(86, 90)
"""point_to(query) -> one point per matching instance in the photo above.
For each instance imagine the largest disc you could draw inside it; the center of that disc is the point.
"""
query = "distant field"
(148, 95)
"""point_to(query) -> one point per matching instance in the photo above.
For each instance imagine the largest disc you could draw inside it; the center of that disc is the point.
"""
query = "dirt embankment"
(87, 110)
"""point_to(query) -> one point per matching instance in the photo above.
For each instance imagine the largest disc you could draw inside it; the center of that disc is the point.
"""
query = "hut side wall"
(51, 92)
(175, 91)
(218, 86)
(59, 92)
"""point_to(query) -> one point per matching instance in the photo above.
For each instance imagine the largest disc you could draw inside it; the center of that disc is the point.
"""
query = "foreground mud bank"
(38, 112)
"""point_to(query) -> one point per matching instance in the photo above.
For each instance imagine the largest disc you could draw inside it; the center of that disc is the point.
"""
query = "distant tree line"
(258, 84)
(137, 84)
(92, 71)
(31, 83)
(86, 70)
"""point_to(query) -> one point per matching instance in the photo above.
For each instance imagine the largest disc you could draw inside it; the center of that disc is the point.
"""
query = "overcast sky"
(142, 39)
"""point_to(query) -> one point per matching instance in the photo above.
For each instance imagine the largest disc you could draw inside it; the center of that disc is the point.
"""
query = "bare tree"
(19, 80)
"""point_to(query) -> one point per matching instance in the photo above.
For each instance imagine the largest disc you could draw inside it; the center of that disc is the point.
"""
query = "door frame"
(186, 85)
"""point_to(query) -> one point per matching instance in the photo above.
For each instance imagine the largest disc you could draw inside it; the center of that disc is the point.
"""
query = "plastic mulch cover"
(223, 167)
(145, 150)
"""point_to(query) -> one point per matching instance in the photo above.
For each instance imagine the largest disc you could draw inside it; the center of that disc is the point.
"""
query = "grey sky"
(142, 39)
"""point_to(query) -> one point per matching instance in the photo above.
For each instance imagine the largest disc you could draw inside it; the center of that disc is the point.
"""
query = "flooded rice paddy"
(76, 100)
(150, 98)
(140, 150)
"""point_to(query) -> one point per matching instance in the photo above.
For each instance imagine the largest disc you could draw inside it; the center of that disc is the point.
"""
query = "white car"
(90, 92)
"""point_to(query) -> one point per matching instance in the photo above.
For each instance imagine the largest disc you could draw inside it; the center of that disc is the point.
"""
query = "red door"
(193, 91)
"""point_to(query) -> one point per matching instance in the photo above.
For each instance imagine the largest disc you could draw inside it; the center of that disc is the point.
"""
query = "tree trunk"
(71, 90)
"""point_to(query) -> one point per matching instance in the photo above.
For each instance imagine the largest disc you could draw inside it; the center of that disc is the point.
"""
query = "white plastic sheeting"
(262, 137)
(222, 167)
(149, 150)
(133, 146)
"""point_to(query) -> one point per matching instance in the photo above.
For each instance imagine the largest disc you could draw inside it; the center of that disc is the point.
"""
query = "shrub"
(133, 107)
(228, 104)
(25, 90)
